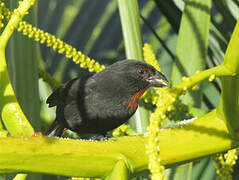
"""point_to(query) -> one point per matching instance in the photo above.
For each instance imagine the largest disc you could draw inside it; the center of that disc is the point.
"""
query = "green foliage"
(192, 45)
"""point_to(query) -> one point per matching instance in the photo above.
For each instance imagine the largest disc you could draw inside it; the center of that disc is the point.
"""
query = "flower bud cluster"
(164, 100)
(224, 164)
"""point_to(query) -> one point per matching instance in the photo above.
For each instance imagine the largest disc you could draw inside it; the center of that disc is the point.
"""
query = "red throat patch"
(149, 70)
(133, 104)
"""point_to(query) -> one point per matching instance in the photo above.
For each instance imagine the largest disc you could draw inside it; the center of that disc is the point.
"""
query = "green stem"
(185, 142)
(129, 16)
(72, 157)
(14, 21)
(229, 107)
(232, 56)
(199, 76)
(11, 113)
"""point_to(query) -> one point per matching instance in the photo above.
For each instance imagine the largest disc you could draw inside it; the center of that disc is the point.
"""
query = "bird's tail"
(55, 129)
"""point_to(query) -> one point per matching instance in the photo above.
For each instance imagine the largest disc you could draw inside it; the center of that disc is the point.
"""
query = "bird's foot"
(99, 138)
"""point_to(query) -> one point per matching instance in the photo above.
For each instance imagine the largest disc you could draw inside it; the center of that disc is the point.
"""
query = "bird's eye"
(141, 71)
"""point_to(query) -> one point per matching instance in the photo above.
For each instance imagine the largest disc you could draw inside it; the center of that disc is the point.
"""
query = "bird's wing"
(75, 108)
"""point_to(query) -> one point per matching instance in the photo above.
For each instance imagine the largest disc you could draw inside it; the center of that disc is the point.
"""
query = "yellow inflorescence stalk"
(150, 57)
(1, 15)
(224, 164)
(123, 130)
(156, 98)
(164, 104)
(57, 44)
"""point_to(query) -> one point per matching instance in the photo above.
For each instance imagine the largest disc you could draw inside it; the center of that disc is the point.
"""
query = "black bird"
(103, 101)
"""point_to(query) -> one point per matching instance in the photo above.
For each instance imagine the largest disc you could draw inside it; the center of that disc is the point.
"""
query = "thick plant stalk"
(185, 142)
(129, 17)
(11, 113)
(229, 107)
(73, 157)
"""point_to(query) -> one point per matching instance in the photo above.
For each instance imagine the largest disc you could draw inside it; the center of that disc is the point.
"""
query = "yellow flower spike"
(91, 70)
(212, 77)
(197, 72)
(121, 130)
(17, 12)
(169, 108)
(152, 147)
(12, 27)
(173, 99)
(42, 40)
(88, 60)
(75, 58)
(74, 51)
(83, 65)
(184, 90)
(54, 47)
(163, 98)
(194, 88)
(31, 35)
(184, 78)
(150, 57)
(224, 168)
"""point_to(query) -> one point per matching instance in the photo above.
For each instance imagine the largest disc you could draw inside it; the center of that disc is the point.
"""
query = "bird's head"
(149, 75)
(140, 73)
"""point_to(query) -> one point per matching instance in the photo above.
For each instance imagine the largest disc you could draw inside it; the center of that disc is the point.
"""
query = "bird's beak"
(158, 80)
